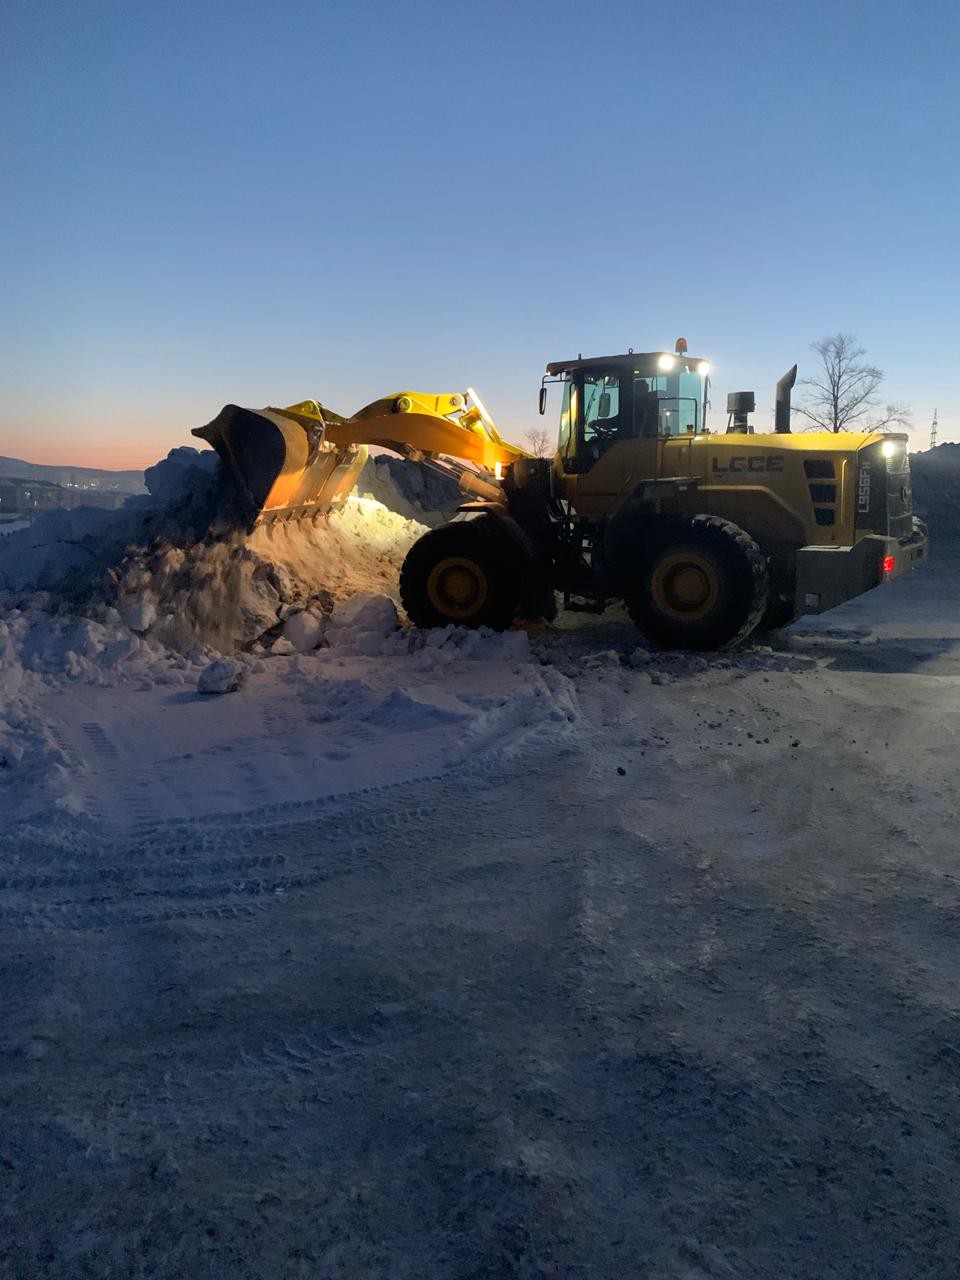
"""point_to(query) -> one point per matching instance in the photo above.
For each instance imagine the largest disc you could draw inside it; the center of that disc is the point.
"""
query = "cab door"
(618, 441)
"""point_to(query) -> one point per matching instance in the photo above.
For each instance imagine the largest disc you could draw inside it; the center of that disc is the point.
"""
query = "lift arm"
(305, 458)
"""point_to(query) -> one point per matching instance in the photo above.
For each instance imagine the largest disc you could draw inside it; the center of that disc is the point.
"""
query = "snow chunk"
(366, 612)
(443, 645)
(305, 630)
(223, 676)
(364, 623)
(140, 616)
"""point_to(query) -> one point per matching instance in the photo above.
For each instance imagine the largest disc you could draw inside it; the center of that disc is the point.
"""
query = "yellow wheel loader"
(704, 536)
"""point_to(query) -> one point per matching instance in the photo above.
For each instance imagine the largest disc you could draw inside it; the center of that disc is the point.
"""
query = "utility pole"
(933, 431)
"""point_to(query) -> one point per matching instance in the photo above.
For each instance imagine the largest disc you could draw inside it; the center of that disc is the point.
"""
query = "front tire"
(461, 574)
(703, 585)
(779, 613)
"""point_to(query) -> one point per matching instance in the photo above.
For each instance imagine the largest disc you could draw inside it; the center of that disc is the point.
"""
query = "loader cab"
(611, 399)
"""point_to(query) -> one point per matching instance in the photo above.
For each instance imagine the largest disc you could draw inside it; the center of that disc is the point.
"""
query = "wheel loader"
(705, 536)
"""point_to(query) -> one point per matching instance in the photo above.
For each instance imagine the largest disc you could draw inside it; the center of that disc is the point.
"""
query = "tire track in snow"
(100, 741)
(183, 867)
(364, 831)
(131, 777)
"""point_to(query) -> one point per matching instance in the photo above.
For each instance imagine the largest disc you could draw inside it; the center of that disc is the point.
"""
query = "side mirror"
(603, 410)
(543, 401)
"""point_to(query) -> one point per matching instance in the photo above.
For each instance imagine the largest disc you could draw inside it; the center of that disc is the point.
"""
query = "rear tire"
(462, 574)
(703, 585)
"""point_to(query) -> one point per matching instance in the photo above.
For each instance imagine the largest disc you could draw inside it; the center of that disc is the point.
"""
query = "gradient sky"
(219, 201)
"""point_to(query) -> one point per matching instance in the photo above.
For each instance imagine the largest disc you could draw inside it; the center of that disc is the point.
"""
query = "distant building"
(31, 497)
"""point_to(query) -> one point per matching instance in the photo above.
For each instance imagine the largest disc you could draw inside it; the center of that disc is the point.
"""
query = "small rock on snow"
(222, 676)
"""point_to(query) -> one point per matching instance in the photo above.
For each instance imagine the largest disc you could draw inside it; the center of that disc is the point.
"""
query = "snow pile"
(935, 477)
(71, 552)
(234, 590)
(180, 568)
(411, 489)
(67, 551)
(33, 765)
(177, 567)
(62, 648)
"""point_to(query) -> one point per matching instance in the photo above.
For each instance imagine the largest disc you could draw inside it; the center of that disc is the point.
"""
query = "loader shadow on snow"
(893, 656)
(589, 646)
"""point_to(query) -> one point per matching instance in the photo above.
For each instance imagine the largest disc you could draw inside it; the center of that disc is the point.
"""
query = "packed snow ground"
(475, 956)
(461, 955)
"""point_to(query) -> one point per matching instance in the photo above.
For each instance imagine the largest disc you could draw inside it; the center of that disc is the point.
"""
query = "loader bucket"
(281, 463)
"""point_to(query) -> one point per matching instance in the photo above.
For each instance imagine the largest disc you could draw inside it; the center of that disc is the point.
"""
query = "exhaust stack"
(782, 411)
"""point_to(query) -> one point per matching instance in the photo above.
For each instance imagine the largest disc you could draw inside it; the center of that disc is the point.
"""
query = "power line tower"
(933, 431)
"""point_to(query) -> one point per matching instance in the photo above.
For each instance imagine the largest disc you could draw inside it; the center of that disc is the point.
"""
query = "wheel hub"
(457, 587)
(685, 586)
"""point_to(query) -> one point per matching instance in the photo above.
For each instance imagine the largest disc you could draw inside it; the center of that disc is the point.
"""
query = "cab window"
(647, 412)
(680, 406)
(567, 416)
(666, 404)
(601, 407)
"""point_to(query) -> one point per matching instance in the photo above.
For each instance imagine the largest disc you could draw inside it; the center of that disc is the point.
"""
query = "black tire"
(778, 613)
(539, 600)
(703, 585)
(462, 574)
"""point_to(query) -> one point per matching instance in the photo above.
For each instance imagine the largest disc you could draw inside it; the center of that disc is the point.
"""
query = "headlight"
(889, 448)
(666, 362)
(703, 368)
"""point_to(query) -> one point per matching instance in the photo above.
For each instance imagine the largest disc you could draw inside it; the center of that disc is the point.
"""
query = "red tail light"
(887, 565)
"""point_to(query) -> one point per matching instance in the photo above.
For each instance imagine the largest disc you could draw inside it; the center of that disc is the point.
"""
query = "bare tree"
(843, 395)
(540, 442)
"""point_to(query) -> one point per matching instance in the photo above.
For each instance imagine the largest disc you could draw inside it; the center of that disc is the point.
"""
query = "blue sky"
(215, 202)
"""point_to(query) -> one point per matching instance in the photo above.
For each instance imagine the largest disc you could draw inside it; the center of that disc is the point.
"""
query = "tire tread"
(745, 545)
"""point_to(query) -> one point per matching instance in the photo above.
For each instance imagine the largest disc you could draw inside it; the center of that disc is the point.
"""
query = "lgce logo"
(768, 463)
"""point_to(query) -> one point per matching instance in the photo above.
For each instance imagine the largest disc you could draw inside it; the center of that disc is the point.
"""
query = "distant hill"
(74, 477)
